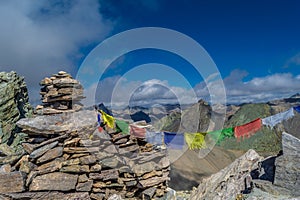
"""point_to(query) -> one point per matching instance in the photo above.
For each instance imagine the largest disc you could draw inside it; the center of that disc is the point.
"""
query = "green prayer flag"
(220, 135)
(122, 126)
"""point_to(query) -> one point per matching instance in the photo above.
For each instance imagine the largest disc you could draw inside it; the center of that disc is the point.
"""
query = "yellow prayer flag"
(195, 140)
(108, 120)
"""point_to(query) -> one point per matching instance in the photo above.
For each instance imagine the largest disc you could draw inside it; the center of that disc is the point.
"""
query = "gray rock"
(84, 187)
(110, 163)
(11, 182)
(87, 160)
(230, 181)
(13, 104)
(54, 181)
(40, 151)
(51, 154)
(76, 169)
(81, 121)
(49, 195)
(287, 171)
(5, 168)
(82, 178)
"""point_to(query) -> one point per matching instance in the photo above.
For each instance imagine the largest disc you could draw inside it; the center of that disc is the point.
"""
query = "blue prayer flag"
(174, 140)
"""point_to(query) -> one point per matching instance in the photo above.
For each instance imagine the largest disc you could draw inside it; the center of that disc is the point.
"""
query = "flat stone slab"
(49, 195)
(11, 182)
(58, 123)
(54, 181)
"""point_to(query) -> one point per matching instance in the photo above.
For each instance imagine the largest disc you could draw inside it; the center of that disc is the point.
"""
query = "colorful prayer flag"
(220, 135)
(122, 126)
(195, 140)
(297, 108)
(137, 131)
(278, 118)
(154, 138)
(247, 129)
(108, 120)
(174, 140)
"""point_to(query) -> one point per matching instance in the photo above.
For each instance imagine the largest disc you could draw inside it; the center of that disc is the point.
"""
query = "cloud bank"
(39, 38)
(120, 92)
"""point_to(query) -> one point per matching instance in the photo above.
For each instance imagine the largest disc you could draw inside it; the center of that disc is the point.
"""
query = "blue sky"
(256, 36)
(254, 44)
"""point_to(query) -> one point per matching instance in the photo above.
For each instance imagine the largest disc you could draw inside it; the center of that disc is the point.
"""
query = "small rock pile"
(69, 158)
(60, 93)
(13, 106)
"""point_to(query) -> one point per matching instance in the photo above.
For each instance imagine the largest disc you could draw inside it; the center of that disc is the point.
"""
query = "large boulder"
(230, 181)
(13, 104)
(287, 171)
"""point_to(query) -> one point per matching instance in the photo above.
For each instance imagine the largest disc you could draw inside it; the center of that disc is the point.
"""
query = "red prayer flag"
(137, 131)
(100, 129)
(247, 129)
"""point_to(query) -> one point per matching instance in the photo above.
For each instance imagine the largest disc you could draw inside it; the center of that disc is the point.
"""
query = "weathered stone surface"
(49, 195)
(76, 169)
(54, 181)
(40, 151)
(51, 154)
(268, 187)
(96, 168)
(128, 149)
(287, 171)
(105, 175)
(50, 166)
(74, 161)
(97, 196)
(111, 149)
(80, 149)
(11, 182)
(149, 192)
(6, 150)
(13, 104)
(102, 155)
(115, 197)
(84, 187)
(87, 160)
(82, 178)
(152, 182)
(152, 174)
(5, 168)
(9, 159)
(59, 124)
(111, 162)
(144, 168)
(230, 181)
(26, 166)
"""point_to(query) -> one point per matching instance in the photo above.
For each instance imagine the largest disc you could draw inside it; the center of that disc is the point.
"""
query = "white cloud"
(258, 89)
(120, 92)
(39, 38)
(295, 60)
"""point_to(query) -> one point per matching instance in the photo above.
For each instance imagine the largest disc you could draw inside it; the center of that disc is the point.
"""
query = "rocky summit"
(67, 156)
(254, 177)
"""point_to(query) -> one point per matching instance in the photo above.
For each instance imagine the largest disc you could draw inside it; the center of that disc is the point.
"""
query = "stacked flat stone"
(68, 158)
(60, 93)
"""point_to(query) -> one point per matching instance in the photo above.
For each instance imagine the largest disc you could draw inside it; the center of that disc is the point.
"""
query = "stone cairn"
(68, 158)
(60, 93)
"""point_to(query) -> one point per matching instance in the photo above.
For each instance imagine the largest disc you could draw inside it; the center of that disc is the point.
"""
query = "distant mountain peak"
(297, 95)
